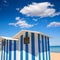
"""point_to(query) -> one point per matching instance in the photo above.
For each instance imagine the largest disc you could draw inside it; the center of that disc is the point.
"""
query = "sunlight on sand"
(55, 56)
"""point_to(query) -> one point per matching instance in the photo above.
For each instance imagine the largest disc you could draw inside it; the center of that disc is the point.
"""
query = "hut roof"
(21, 32)
(16, 37)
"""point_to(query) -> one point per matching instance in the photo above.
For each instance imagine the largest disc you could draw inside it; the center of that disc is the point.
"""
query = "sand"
(55, 56)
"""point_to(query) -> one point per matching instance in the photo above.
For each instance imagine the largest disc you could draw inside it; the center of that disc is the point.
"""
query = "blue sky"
(36, 15)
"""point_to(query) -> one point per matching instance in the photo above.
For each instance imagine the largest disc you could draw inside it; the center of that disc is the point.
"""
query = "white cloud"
(44, 9)
(54, 24)
(21, 23)
(17, 18)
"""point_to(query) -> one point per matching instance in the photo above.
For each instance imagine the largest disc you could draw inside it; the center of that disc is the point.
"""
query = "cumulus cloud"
(54, 24)
(44, 9)
(22, 23)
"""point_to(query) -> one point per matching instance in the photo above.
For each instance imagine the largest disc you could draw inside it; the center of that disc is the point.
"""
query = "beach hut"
(25, 45)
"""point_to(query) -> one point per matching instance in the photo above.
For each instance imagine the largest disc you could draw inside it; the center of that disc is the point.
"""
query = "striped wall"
(37, 49)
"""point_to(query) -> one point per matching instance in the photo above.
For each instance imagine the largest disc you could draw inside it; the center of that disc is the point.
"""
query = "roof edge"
(7, 38)
(32, 32)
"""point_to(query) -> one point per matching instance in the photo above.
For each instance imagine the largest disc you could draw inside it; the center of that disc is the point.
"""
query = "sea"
(55, 49)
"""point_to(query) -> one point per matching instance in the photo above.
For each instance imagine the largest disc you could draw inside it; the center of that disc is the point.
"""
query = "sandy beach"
(55, 56)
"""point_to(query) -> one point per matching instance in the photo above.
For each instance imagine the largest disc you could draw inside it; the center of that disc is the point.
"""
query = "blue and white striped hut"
(26, 45)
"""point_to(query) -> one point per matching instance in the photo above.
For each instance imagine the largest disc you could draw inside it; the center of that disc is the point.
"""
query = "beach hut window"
(26, 40)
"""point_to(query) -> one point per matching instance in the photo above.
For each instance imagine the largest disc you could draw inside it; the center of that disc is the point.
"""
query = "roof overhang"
(6, 38)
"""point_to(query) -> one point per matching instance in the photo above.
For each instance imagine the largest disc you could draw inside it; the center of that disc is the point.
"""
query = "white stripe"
(45, 55)
(17, 55)
(3, 54)
(29, 47)
(36, 46)
(41, 48)
(37, 58)
(44, 48)
(24, 52)
(48, 55)
(41, 56)
(17, 50)
(12, 53)
(8, 50)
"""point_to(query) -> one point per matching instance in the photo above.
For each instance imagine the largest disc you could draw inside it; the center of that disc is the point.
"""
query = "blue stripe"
(14, 50)
(33, 46)
(4, 52)
(26, 34)
(43, 47)
(7, 50)
(39, 46)
(48, 45)
(10, 49)
(21, 48)
(49, 48)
